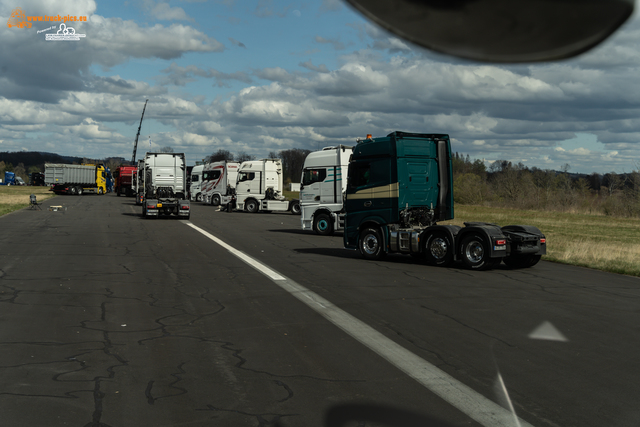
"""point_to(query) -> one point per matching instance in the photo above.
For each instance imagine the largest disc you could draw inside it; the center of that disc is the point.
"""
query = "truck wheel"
(251, 206)
(199, 197)
(215, 200)
(79, 191)
(295, 208)
(323, 225)
(100, 191)
(522, 261)
(475, 253)
(370, 244)
(438, 249)
(72, 191)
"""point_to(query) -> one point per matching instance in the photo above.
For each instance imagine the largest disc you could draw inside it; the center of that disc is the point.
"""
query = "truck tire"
(295, 208)
(79, 191)
(199, 197)
(251, 206)
(100, 191)
(522, 261)
(215, 200)
(323, 225)
(439, 249)
(475, 253)
(73, 191)
(371, 244)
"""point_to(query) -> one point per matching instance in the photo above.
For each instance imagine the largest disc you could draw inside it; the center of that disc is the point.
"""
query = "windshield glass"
(211, 175)
(309, 176)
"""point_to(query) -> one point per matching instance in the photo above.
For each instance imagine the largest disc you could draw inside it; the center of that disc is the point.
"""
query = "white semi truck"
(165, 185)
(218, 183)
(259, 188)
(324, 179)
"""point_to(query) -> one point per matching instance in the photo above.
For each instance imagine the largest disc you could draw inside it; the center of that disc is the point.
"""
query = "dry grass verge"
(13, 198)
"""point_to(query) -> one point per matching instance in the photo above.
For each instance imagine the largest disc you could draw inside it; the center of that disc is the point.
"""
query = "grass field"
(13, 197)
(594, 241)
(291, 194)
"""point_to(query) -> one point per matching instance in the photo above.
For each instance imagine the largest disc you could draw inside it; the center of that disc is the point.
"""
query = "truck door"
(312, 181)
(249, 183)
(369, 194)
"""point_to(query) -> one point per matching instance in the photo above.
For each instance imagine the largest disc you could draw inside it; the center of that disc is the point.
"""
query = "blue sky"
(262, 76)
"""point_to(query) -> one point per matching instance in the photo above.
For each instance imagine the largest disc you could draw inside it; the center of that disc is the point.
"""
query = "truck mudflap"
(524, 240)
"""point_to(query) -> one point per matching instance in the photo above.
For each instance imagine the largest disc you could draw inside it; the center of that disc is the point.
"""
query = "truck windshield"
(309, 176)
(210, 175)
(246, 176)
(358, 175)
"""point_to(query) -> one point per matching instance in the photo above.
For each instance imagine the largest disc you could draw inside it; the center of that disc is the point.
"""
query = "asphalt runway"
(109, 319)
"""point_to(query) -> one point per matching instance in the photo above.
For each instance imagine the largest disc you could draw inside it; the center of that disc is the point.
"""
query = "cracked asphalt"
(108, 319)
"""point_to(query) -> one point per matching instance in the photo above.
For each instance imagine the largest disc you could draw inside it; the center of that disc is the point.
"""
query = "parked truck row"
(388, 194)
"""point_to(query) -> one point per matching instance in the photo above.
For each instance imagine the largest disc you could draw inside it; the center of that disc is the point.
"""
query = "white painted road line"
(465, 399)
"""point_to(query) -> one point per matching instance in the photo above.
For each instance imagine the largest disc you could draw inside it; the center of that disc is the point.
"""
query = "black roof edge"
(400, 134)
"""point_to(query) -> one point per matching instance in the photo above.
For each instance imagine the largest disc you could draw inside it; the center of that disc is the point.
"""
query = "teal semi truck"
(400, 186)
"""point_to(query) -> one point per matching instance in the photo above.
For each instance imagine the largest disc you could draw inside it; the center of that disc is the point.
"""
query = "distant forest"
(510, 185)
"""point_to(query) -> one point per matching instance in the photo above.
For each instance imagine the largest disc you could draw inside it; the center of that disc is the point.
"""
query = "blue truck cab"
(400, 186)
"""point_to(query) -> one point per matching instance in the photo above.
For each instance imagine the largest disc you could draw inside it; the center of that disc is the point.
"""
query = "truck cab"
(219, 182)
(321, 189)
(164, 186)
(400, 187)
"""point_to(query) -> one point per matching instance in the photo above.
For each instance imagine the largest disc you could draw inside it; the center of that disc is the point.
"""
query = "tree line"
(507, 184)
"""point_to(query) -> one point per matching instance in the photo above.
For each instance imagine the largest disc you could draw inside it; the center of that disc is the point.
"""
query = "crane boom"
(135, 145)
